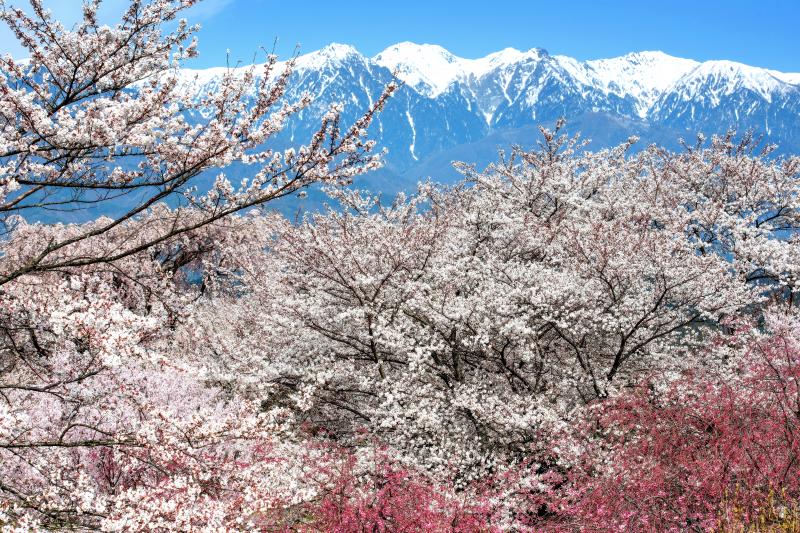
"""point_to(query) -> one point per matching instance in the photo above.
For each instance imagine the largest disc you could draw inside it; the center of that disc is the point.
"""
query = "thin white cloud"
(69, 12)
(207, 9)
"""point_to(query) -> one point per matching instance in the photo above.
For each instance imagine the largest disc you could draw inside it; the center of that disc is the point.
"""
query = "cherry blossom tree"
(95, 116)
(102, 424)
(461, 325)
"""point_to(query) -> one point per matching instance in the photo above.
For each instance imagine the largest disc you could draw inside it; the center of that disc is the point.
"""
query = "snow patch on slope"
(413, 135)
(508, 57)
(788, 77)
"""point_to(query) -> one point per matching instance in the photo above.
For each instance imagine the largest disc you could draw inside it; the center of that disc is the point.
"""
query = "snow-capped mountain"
(642, 76)
(457, 108)
(724, 92)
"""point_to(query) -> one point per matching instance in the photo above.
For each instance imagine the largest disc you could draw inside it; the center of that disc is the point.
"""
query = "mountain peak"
(407, 48)
(648, 56)
(641, 75)
(428, 68)
(512, 55)
(338, 50)
(712, 79)
(724, 67)
(332, 54)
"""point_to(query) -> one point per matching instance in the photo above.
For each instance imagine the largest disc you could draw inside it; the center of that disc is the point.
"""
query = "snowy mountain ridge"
(431, 69)
(454, 108)
(644, 77)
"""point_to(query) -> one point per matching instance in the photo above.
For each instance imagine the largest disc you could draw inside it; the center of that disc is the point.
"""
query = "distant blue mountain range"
(455, 109)
(452, 108)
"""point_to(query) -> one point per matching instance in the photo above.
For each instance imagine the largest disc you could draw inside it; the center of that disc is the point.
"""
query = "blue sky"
(758, 32)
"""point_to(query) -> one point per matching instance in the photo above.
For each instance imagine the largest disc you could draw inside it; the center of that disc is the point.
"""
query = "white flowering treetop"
(461, 324)
(101, 425)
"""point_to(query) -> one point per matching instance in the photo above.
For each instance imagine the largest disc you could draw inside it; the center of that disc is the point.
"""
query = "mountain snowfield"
(430, 70)
(453, 108)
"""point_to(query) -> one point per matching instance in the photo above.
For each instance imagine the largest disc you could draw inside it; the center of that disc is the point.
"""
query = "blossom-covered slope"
(457, 108)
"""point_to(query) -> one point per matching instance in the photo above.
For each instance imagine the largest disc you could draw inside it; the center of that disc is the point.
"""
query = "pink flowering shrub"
(389, 497)
(706, 447)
